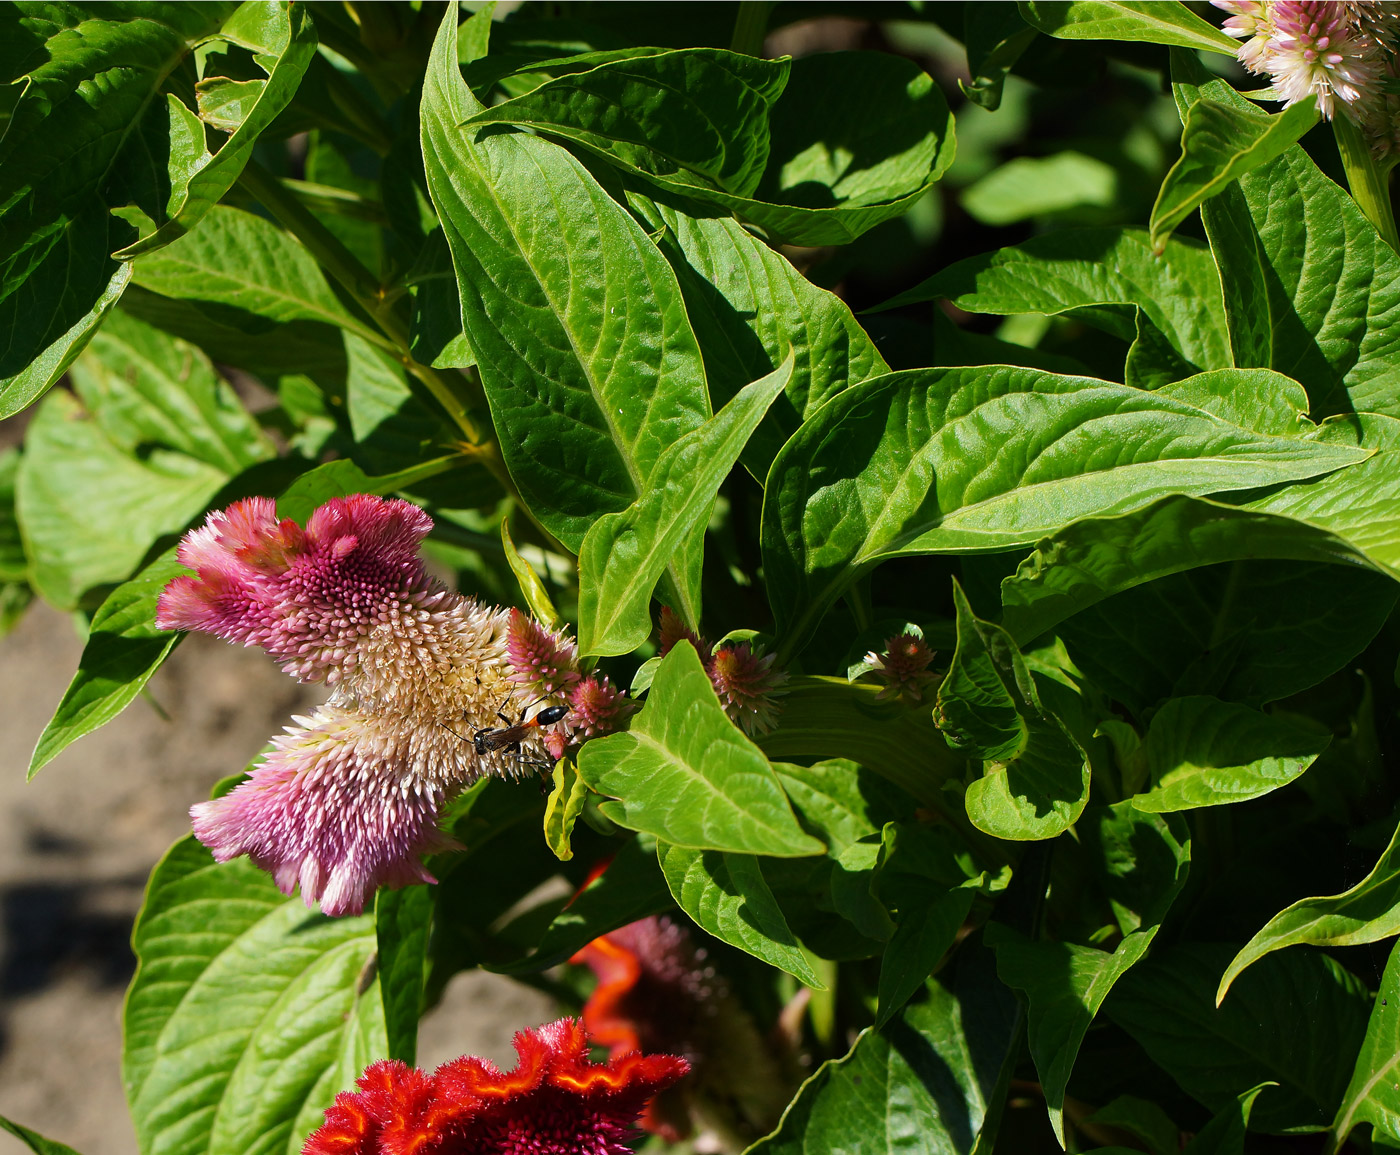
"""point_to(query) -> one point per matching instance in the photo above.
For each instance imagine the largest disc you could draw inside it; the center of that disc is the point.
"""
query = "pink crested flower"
(598, 707)
(542, 661)
(903, 667)
(555, 1102)
(658, 991)
(743, 677)
(1322, 48)
(748, 686)
(347, 801)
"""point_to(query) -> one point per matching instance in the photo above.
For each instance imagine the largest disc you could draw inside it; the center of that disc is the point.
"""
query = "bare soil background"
(77, 844)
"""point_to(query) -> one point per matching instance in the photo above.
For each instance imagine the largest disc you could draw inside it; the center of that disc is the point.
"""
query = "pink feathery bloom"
(658, 991)
(542, 661)
(555, 1102)
(743, 677)
(1310, 47)
(347, 800)
(903, 667)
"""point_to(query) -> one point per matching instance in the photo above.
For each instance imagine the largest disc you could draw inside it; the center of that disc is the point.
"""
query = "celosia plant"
(911, 487)
(555, 1102)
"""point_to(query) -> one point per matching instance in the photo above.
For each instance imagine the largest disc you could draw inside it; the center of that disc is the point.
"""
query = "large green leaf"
(247, 1013)
(1310, 288)
(1219, 144)
(1135, 20)
(1065, 983)
(751, 309)
(582, 341)
(687, 774)
(698, 114)
(151, 436)
(1296, 1019)
(1200, 751)
(241, 268)
(82, 104)
(624, 554)
(34, 1141)
(1373, 1095)
(928, 1083)
(727, 897)
(1102, 276)
(973, 460)
(1035, 777)
(282, 40)
(1367, 912)
(1096, 558)
(402, 922)
(1251, 631)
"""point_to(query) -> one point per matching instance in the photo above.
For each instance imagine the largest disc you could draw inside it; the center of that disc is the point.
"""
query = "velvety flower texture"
(658, 991)
(555, 1102)
(347, 801)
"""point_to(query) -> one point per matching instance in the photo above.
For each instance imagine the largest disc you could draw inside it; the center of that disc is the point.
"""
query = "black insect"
(509, 736)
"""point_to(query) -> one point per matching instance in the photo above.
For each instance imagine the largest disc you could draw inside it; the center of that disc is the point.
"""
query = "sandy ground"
(76, 845)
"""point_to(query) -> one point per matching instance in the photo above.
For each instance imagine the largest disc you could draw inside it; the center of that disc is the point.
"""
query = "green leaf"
(22, 384)
(631, 888)
(531, 588)
(1101, 276)
(1309, 284)
(81, 108)
(34, 1141)
(1251, 631)
(929, 1083)
(282, 40)
(237, 263)
(317, 486)
(624, 554)
(402, 919)
(1225, 1134)
(1167, 1005)
(1132, 20)
(1039, 186)
(751, 309)
(727, 897)
(1201, 751)
(152, 435)
(1219, 144)
(995, 38)
(293, 995)
(930, 883)
(1146, 1121)
(1065, 983)
(1096, 558)
(583, 345)
(1035, 778)
(122, 651)
(1368, 912)
(699, 114)
(566, 802)
(687, 774)
(15, 592)
(972, 460)
(1373, 1095)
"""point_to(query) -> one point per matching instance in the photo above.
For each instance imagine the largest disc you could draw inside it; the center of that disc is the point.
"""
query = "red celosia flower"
(743, 677)
(673, 630)
(657, 991)
(597, 707)
(555, 1102)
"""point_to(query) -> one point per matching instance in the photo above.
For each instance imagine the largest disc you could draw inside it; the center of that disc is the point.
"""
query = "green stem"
(1370, 188)
(750, 27)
